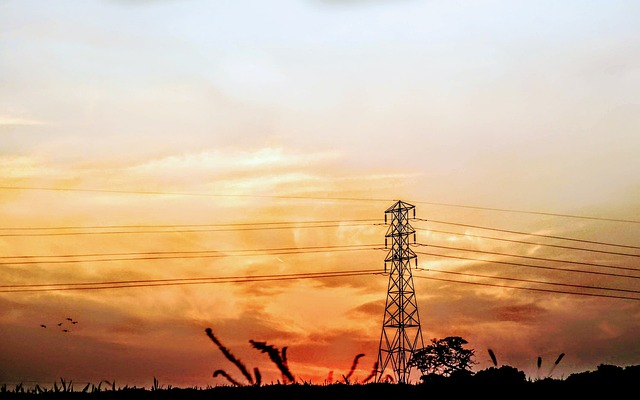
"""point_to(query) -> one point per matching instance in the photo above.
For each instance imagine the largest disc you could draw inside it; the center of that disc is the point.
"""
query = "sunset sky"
(147, 143)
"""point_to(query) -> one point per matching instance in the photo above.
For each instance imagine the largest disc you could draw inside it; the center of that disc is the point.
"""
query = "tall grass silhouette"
(230, 357)
(258, 376)
(329, 378)
(278, 359)
(539, 365)
(353, 367)
(284, 357)
(493, 358)
(539, 362)
(555, 364)
(227, 376)
(373, 373)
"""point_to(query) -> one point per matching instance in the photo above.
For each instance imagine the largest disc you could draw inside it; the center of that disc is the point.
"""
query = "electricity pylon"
(401, 331)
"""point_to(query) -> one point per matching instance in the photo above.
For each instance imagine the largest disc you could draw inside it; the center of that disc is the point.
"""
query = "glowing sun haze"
(156, 141)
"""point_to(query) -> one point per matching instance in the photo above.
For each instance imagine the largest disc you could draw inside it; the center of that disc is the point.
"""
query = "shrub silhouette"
(505, 375)
(606, 374)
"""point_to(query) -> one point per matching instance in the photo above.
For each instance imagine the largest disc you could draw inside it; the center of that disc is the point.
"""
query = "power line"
(529, 234)
(530, 212)
(529, 265)
(128, 284)
(531, 289)
(179, 281)
(224, 278)
(161, 193)
(530, 281)
(530, 257)
(167, 255)
(291, 250)
(234, 229)
(317, 198)
(187, 225)
(133, 253)
(526, 242)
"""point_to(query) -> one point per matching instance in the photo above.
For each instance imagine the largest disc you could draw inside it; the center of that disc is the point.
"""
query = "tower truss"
(401, 332)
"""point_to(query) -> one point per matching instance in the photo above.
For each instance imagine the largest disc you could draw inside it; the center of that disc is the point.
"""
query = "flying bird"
(69, 319)
(60, 324)
(74, 322)
(65, 330)
(42, 325)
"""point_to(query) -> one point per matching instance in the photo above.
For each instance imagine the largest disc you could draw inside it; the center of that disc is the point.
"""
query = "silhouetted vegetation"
(230, 357)
(279, 359)
(444, 357)
(446, 372)
(609, 381)
(502, 382)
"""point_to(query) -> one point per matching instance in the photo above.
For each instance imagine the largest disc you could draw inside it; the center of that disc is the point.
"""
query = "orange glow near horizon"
(324, 322)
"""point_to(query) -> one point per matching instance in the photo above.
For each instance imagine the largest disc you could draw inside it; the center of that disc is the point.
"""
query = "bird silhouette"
(60, 324)
(74, 322)
(69, 319)
(65, 330)
(42, 325)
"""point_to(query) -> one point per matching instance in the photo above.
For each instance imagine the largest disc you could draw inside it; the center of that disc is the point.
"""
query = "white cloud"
(220, 161)
(9, 120)
(17, 167)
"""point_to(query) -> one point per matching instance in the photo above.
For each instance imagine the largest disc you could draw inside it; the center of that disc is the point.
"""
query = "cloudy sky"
(146, 143)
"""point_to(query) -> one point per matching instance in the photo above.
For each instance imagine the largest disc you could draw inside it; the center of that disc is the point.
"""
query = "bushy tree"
(444, 357)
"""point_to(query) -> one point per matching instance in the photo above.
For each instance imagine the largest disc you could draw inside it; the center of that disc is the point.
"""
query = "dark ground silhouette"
(607, 381)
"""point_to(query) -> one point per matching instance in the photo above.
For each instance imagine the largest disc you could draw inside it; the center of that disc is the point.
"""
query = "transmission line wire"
(528, 257)
(526, 242)
(529, 281)
(77, 227)
(85, 286)
(133, 253)
(317, 198)
(234, 229)
(178, 281)
(226, 195)
(193, 254)
(529, 212)
(529, 265)
(527, 288)
(528, 233)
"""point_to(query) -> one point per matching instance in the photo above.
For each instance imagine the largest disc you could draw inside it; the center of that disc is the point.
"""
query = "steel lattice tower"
(401, 331)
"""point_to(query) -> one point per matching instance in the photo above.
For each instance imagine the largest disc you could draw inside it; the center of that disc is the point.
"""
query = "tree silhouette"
(444, 357)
